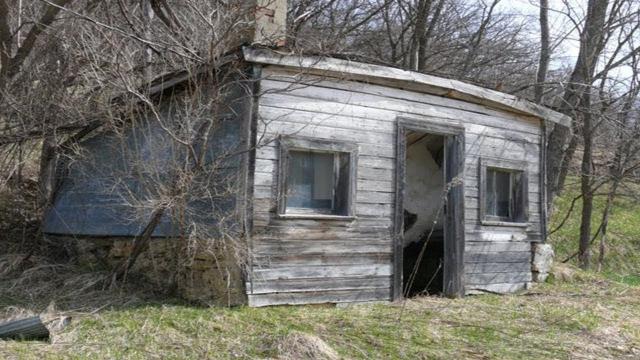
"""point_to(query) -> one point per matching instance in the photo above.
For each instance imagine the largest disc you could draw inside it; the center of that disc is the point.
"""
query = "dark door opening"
(423, 214)
(429, 210)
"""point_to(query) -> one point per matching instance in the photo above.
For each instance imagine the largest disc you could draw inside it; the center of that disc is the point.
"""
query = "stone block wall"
(200, 272)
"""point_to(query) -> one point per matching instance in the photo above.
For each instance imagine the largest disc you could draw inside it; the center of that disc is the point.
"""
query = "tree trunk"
(424, 44)
(5, 44)
(569, 154)
(605, 223)
(46, 173)
(591, 46)
(140, 243)
(545, 54)
(420, 31)
(585, 183)
(147, 16)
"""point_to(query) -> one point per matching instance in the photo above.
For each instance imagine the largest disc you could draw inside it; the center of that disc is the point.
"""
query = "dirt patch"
(563, 272)
(299, 346)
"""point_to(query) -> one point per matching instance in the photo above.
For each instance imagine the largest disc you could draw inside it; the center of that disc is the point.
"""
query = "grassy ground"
(622, 260)
(589, 318)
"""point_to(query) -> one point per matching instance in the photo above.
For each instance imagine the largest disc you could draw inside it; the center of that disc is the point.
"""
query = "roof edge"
(431, 84)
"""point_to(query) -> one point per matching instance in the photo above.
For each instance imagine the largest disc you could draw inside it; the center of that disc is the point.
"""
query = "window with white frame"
(317, 177)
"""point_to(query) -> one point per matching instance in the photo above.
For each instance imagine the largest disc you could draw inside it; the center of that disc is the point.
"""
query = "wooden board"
(318, 284)
(496, 288)
(406, 79)
(319, 297)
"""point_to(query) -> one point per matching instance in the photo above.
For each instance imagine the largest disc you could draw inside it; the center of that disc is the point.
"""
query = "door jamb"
(454, 215)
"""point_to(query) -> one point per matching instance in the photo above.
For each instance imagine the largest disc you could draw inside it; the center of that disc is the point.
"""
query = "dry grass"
(302, 346)
(39, 286)
(19, 217)
(588, 317)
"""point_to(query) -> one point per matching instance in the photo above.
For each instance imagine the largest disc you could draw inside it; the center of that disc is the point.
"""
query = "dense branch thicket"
(70, 67)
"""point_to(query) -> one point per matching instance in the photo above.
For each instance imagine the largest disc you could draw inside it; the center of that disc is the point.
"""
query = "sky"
(559, 24)
(561, 27)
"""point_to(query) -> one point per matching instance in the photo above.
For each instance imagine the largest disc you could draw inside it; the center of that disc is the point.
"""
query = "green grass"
(622, 259)
(591, 317)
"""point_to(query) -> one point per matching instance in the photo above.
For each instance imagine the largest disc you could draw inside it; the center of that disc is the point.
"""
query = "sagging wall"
(105, 195)
(314, 261)
(424, 188)
(110, 186)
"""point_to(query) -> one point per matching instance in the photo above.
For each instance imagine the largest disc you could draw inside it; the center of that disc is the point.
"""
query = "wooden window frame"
(291, 143)
(510, 166)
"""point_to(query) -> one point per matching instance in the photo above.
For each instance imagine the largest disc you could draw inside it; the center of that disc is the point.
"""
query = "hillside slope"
(622, 259)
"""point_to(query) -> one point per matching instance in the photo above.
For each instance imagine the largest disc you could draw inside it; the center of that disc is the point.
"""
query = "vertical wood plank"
(543, 182)
(398, 222)
(454, 216)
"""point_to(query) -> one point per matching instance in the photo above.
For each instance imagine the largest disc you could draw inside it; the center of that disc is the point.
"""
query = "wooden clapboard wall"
(313, 261)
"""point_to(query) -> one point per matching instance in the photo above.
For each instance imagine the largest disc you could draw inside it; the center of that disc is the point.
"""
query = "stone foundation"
(542, 261)
(200, 272)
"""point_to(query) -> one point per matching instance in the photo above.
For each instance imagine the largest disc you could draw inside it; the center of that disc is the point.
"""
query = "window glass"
(504, 195)
(310, 180)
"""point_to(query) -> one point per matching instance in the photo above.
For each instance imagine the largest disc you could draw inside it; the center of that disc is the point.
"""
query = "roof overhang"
(385, 75)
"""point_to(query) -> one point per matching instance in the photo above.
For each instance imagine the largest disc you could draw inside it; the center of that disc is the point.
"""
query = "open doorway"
(429, 210)
(423, 214)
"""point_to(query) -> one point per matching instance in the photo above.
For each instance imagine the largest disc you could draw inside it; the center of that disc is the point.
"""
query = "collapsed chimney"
(270, 22)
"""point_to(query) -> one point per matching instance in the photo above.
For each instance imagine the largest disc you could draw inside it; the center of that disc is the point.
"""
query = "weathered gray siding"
(306, 261)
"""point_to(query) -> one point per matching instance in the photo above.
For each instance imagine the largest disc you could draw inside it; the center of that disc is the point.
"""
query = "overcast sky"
(561, 28)
(560, 25)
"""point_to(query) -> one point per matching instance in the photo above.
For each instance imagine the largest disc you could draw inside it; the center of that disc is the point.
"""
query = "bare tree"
(605, 25)
(545, 51)
(85, 68)
(625, 129)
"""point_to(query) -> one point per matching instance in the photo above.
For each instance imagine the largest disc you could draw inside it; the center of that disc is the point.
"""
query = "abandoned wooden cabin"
(348, 174)
(345, 176)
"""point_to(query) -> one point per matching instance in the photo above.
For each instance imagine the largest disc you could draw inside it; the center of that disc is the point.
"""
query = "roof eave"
(429, 83)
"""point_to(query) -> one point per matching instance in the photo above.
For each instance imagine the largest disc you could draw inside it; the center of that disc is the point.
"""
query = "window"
(503, 192)
(317, 178)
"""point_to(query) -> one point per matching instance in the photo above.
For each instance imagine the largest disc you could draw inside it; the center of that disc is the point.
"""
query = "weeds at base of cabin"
(51, 288)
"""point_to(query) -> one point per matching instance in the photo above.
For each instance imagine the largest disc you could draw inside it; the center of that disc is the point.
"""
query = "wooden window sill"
(317, 217)
(504, 223)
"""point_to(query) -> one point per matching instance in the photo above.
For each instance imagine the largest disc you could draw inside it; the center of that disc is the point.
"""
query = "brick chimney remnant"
(270, 22)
